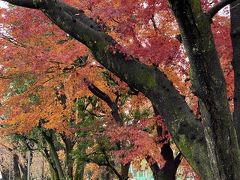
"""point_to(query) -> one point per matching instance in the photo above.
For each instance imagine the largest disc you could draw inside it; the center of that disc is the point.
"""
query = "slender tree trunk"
(68, 159)
(54, 156)
(16, 171)
(29, 159)
(79, 172)
(23, 169)
(125, 170)
(53, 172)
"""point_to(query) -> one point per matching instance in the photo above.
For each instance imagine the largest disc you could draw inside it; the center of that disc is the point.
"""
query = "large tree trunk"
(235, 35)
(209, 86)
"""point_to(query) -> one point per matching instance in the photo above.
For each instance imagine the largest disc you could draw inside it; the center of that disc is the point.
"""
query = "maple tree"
(48, 92)
(125, 38)
(44, 131)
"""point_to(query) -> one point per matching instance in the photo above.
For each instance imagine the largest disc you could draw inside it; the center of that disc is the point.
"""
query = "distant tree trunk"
(16, 171)
(43, 167)
(54, 156)
(5, 175)
(106, 174)
(29, 160)
(68, 156)
(23, 170)
(53, 172)
(79, 172)
(125, 170)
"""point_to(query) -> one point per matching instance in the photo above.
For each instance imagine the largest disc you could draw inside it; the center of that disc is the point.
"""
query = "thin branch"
(217, 7)
(109, 165)
(94, 114)
(11, 40)
(154, 22)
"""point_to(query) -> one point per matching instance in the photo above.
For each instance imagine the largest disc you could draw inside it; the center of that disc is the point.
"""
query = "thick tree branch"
(33, 4)
(147, 79)
(97, 92)
(217, 7)
(154, 166)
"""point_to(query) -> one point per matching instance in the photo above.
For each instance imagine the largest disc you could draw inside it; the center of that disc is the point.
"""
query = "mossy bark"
(209, 86)
(235, 36)
(54, 156)
(79, 171)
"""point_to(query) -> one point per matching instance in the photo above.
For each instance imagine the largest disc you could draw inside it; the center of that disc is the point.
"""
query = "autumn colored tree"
(120, 38)
(42, 133)
(43, 98)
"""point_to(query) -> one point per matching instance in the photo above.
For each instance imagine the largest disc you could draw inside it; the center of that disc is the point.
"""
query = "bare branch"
(11, 40)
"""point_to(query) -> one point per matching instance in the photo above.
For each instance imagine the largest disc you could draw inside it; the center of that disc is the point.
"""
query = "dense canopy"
(115, 82)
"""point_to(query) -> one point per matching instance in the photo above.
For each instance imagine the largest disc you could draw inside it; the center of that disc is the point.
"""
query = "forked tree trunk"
(211, 150)
(208, 84)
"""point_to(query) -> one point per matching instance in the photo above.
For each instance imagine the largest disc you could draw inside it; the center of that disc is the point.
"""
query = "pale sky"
(3, 4)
